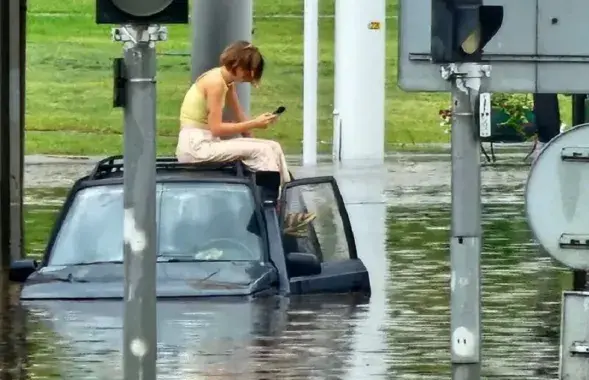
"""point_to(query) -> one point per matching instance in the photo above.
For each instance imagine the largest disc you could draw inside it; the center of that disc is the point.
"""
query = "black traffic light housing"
(141, 11)
(454, 21)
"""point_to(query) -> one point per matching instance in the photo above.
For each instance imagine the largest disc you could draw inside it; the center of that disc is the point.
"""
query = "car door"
(329, 237)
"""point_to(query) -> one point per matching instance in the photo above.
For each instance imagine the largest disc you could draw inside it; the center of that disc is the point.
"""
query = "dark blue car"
(219, 233)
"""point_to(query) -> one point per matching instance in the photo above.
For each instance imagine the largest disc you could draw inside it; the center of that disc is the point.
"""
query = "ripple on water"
(402, 334)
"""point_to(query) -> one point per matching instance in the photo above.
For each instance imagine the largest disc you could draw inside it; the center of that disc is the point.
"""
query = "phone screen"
(279, 110)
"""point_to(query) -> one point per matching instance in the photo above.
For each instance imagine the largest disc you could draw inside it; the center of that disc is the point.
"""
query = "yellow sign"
(374, 25)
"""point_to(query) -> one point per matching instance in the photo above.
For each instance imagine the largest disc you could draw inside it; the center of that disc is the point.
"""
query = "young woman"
(202, 128)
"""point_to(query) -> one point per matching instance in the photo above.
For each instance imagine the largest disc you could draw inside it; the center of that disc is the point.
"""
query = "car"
(219, 233)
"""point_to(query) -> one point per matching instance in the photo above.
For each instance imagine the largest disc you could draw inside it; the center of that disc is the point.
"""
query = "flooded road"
(401, 217)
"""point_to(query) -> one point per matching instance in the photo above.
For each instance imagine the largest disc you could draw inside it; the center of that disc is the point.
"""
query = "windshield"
(195, 221)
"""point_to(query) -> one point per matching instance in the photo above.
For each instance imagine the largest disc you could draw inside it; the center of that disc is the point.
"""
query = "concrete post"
(359, 99)
(216, 24)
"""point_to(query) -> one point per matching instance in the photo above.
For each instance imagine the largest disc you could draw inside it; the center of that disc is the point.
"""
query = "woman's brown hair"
(243, 55)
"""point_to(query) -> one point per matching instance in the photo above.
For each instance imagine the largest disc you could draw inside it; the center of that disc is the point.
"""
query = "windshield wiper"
(97, 263)
(160, 259)
(187, 259)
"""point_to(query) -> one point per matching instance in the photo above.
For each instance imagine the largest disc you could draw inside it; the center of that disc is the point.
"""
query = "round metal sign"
(142, 8)
(557, 198)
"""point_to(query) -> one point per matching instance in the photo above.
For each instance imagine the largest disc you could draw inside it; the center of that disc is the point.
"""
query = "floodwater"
(401, 217)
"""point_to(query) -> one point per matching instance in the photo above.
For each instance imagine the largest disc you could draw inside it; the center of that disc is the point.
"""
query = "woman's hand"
(265, 119)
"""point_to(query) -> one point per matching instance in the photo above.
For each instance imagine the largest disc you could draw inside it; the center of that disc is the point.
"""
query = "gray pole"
(216, 24)
(6, 362)
(465, 244)
(17, 11)
(140, 335)
(579, 117)
(5, 103)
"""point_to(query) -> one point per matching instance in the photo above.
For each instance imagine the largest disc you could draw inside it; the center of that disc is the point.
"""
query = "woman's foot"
(295, 223)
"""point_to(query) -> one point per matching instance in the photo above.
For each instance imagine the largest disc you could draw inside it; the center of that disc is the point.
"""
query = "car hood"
(173, 280)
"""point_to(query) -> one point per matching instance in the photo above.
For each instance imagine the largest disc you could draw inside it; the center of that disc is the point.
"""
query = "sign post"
(465, 245)
(459, 31)
(134, 90)
(579, 117)
(139, 198)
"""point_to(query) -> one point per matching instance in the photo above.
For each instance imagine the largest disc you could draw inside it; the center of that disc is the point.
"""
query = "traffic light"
(460, 29)
(141, 11)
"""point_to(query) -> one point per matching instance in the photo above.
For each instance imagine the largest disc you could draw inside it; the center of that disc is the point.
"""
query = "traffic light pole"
(466, 240)
(139, 335)
(579, 117)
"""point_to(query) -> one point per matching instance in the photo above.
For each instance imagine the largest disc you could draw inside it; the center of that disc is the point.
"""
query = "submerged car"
(219, 233)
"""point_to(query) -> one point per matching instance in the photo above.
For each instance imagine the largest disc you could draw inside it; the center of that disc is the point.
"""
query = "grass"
(69, 81)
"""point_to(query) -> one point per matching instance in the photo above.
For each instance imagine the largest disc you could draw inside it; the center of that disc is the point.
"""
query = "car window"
(326, 235)
(195, 221)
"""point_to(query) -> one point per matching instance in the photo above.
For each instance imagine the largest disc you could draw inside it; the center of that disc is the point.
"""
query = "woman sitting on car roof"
(202, 128)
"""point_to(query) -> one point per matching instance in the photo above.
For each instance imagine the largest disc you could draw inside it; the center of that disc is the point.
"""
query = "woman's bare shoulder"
(211, 78)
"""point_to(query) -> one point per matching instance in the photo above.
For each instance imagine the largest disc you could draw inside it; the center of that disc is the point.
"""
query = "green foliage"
(516, 106)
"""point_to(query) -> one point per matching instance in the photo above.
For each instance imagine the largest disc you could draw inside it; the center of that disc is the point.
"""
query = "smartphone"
(279, 110)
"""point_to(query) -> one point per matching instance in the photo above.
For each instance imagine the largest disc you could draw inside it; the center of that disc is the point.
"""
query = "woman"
(202, 127)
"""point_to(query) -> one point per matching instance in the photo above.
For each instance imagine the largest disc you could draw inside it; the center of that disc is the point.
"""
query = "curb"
(439, 151)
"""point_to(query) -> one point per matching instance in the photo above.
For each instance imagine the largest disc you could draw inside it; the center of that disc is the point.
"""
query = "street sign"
(541, 47)
(574, 336)
(557, 201)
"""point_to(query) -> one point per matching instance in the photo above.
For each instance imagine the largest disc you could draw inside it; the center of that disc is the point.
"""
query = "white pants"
(197, 145)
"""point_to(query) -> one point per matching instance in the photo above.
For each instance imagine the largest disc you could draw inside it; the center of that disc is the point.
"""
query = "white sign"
(541, 47)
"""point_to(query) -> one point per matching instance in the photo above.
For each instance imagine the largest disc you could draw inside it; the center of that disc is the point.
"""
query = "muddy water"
(402, 332)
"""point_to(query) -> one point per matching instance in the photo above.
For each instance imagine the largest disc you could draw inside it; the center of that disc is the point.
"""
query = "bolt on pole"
(466, 240)
(140, 335)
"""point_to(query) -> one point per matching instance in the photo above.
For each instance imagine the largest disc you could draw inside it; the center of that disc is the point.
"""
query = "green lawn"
(69, 81)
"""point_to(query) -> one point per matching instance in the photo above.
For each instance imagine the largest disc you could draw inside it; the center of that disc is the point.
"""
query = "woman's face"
(242, 75)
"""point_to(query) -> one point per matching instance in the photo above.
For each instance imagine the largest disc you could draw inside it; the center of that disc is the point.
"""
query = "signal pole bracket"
(131, 35)
(467, 75)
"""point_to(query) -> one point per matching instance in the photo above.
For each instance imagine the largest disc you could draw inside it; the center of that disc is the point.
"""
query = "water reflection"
(13, 350)
(264, 339)
(402, 333)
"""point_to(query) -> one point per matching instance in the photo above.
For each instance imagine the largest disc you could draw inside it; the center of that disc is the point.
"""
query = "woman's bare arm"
(214, 95)
(232, 100)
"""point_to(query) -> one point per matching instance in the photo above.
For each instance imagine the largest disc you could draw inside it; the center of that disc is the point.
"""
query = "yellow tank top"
(194, 110)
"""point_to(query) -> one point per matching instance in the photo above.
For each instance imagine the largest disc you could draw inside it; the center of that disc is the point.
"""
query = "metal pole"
(547, 115)
(465, 244)
(579, 117)
(5, 104)
(6, 346)
(310, 68)
(139, 352)
(17, 35)
(216, 24)
(8, 370)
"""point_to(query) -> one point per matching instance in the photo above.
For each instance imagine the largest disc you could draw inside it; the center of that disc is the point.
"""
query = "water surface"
(402, 332)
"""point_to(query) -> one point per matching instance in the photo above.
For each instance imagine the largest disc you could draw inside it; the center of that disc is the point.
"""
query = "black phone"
(279, 110)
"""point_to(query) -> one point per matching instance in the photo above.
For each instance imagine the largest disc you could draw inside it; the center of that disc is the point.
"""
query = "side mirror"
(302, 264)
(20, 270)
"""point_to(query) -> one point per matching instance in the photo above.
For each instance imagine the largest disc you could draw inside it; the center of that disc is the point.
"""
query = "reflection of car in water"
(218, 234)
(296, 337)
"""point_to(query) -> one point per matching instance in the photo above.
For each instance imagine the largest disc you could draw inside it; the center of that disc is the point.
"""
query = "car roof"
(168, 169)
